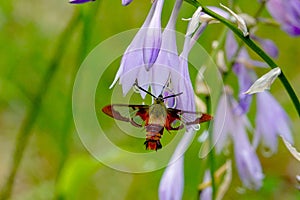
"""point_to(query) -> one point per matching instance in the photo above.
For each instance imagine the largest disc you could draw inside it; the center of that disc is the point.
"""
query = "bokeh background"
(43, 44)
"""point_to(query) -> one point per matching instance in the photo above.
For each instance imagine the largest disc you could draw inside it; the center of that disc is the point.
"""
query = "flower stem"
(88, 18)
(31, 116)
(255, 48)
(211, 153)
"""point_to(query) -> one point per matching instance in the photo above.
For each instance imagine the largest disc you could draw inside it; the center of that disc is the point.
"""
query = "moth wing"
(176, 119)
(137, 115)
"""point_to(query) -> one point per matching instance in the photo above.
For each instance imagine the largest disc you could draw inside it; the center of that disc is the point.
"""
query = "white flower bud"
(239, 20)
(264, 82)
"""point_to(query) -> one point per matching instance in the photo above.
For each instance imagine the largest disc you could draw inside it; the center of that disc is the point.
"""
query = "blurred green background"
(42, 46)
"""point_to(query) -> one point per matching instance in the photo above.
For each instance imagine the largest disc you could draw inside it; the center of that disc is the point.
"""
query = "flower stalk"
(212, 153)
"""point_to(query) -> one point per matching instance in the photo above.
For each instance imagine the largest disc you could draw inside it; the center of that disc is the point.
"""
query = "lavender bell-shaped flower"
(248, 165)
(143, 50)
(230, 123)
(186, 100)
(271, 122)
(167, 62)
(171, 184)
(287, 13)
(246, 76)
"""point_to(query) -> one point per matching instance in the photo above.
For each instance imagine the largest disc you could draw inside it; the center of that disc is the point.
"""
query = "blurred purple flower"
(268, 45)
(247, 162)
(287, 13)
(143, 50)
(229, 123)
(245, 78)
(231, 47)
(172, 182)
(271, 121)
(79, 1)
(206, 194)
(242, 67)
(126, 2)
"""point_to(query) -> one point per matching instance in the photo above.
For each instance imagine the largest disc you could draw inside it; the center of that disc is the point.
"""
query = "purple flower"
(247, 162)
(186, 100)
(143, 50)
(171, 184)
(242, 68)
(206, 194)
(230, 123)
(268, 45)
(243, 57)
(152, 36)
(245, 78)
(126, 2)
(271, 121)
(167, 62)
(287, 13)
(79, 1)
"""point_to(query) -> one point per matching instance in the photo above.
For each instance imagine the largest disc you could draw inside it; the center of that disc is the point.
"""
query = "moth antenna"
(174, 95)
(135, 84)
(167, 82)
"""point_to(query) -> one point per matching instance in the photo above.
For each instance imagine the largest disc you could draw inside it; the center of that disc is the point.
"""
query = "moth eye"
(176, 123)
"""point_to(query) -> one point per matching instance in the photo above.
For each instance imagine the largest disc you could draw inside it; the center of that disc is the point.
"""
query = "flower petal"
(239, 20)
(291, 149)
(264, 82)
(271, 121)
(194, 22)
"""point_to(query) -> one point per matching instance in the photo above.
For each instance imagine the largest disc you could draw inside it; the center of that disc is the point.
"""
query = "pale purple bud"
(126, 2)
(79, 1)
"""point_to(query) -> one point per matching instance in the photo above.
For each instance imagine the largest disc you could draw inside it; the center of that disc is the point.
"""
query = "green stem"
(87, 17)
(31, 116)
(211, 154)
(255, 48)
